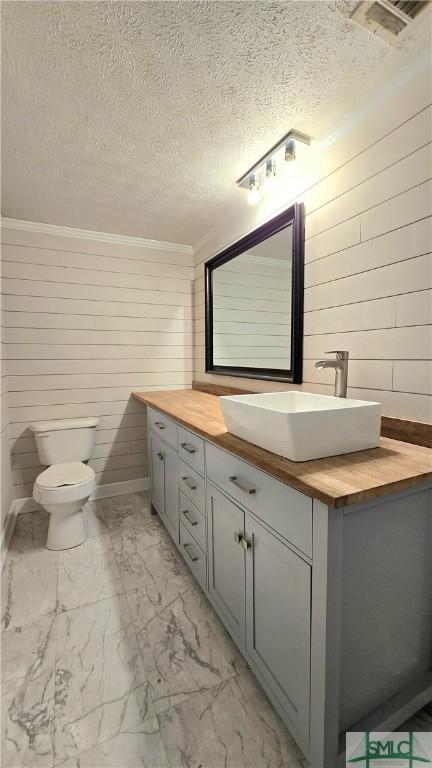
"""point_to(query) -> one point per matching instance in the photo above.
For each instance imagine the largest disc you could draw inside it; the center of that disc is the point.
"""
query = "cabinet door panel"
(226, 561)
(278, 584)
(158, 450)
(172, 477)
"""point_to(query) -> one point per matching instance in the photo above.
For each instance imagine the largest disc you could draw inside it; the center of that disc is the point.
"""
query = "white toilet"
(64, 488)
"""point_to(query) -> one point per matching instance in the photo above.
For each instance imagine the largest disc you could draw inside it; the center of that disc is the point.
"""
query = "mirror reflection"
(252, 306)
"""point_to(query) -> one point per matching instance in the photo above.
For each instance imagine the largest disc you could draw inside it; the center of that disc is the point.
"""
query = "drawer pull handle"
(190, 483)
(190, 554)
(188, 447)
(240, 539)
(160, 456)
(243, 487)
(159, 425)
(185, 513)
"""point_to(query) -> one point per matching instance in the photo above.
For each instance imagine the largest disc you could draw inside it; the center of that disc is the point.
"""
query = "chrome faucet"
(341, 368)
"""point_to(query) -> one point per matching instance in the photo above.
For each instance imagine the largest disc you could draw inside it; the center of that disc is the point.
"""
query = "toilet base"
(66, 528)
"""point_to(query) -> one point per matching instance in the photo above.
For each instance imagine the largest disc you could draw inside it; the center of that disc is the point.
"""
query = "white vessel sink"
(303, 426)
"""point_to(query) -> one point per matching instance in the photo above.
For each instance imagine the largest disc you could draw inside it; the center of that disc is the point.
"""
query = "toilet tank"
(64, 440)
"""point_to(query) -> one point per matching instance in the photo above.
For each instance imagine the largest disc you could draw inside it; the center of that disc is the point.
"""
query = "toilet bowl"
(63, 490)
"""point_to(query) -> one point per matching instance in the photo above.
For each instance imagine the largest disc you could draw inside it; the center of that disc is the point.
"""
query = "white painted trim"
(26, 505)
(105, 491)
(108, 490)
(20, 506)
(7, 532)
(87, 234)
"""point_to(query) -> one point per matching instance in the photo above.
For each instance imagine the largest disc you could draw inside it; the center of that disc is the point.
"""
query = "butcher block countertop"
(337, 481)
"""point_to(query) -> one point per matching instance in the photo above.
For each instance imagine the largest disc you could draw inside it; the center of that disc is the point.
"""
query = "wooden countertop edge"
(335, 501)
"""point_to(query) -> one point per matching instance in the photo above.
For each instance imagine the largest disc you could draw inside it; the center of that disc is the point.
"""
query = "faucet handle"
(340, 354)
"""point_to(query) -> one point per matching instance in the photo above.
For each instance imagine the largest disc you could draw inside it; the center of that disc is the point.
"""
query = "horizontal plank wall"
(88, 319)
(368, 269)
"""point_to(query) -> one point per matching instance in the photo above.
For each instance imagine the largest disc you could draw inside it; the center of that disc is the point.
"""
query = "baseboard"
(7, 532)
(20, 506)
(106, 491)
(26, 505)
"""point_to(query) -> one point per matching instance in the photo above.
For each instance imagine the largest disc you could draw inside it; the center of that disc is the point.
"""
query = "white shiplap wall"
(368, 273)
(87, 321)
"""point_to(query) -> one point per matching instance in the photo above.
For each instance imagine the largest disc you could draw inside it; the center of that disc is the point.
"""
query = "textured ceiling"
(137, 117)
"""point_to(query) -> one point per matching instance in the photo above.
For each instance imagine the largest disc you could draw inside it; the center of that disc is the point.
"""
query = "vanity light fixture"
(288, 147)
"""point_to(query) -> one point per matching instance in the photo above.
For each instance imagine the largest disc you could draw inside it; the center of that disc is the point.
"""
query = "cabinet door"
(158, 450)
(172, 476)
(226, 561)
(278, 605)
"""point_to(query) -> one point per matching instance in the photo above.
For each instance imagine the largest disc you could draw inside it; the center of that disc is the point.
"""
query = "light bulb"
(254, 196)
(270, 177)
(290, 150)
(254, 193)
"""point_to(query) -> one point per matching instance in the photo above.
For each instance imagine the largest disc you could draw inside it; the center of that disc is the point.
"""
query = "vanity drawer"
(194, 556)
(284, 509)
(163, 426)
(193, 520)
(192, 485)
(191, 449)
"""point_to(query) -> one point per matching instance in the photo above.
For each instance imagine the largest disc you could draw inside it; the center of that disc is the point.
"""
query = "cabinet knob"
(241, 540)
(159, 425)
(160, 456)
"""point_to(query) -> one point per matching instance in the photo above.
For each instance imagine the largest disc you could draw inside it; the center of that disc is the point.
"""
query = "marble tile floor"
(113, 658)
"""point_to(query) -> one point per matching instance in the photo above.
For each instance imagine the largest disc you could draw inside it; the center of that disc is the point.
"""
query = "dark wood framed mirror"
(254, 302)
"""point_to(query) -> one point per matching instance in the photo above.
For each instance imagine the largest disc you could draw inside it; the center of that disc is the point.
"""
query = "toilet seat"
(62, 483)
(59, 475)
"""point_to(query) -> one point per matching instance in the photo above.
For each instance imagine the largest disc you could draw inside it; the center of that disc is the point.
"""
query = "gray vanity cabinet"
(165, 472)
(226, 585)
(292, 580)
(256, 582)
(157, 458)
(278, 588)
(172, 476)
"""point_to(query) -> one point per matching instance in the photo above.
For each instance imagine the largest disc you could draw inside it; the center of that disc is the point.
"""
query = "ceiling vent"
(387, 18)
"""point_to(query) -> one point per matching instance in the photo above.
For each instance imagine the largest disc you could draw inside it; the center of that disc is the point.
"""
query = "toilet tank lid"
(50, 426)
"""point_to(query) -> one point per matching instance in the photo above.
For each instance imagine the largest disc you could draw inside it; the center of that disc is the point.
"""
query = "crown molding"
(88, 234)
